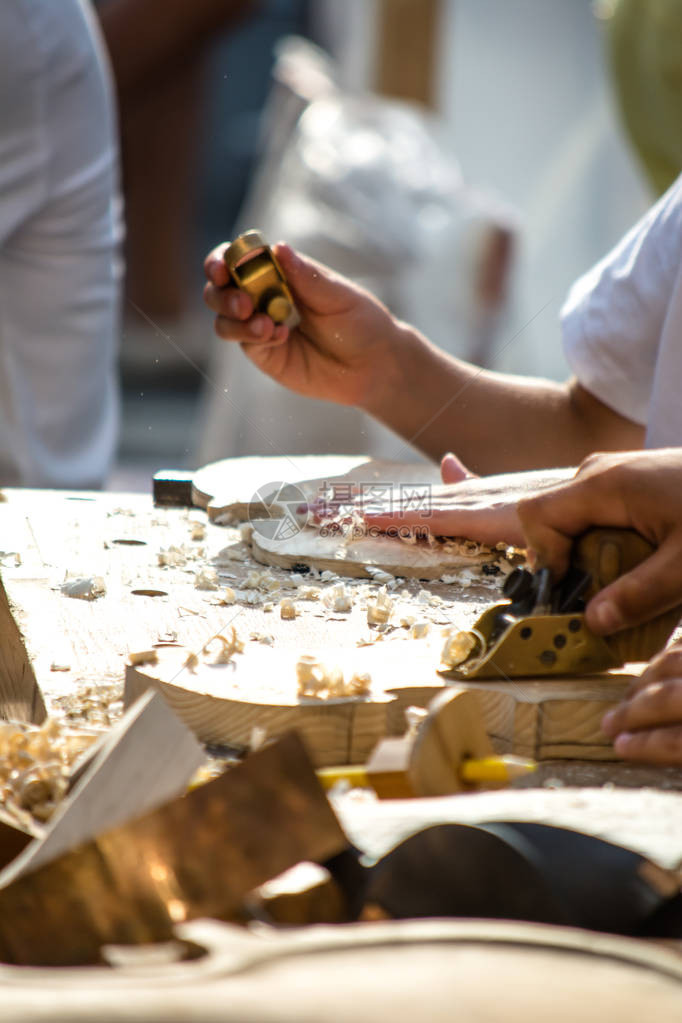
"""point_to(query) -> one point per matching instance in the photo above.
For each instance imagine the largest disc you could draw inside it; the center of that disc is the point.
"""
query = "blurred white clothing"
(622, 324)
(59, 239)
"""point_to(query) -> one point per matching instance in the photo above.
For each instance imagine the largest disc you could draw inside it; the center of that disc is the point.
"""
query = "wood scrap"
(223, 704)
(20, 695)
(227, 489)
(196, 856)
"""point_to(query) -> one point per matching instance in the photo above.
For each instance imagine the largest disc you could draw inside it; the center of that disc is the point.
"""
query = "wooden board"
(353, 558)
(324, 547)
(224, 704)
(400, 971)
(231, 488)
(20, 695)
(120, 537)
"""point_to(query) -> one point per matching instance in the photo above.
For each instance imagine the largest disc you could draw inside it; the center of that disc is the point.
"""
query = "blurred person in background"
(59, 240)
(158, 51)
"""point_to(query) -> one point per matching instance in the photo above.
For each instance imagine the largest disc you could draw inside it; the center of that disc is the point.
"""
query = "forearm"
(495, 422)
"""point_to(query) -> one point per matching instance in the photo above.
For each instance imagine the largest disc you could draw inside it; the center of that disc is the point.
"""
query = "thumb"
(650, 589)
(452, 470)
(314, 285)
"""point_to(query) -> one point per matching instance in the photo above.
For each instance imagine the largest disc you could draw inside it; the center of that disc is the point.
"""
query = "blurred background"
(467, 159)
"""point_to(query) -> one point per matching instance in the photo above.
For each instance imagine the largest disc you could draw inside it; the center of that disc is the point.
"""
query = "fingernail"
(607, 722)
(605, 617)
(282, 249)
(257, 327)
(234, 304)
(622, 743)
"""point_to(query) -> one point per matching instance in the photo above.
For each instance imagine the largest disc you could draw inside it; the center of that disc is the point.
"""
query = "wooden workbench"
(79, 648)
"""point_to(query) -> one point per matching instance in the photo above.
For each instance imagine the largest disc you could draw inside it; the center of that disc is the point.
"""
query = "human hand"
(637, 490)
(344, 349)
(478, 508)
(647, 725)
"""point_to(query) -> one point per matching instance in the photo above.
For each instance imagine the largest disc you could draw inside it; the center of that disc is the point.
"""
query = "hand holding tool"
(255, 269)
(541, 630)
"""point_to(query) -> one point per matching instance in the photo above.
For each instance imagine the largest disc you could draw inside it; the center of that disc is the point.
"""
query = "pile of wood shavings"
(35, 763)
(94, 707)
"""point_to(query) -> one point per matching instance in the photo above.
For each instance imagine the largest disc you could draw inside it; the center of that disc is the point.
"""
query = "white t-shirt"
(59, 242)
(622, 324)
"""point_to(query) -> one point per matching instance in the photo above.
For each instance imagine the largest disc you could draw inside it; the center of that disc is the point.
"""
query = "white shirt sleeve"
(615, 317)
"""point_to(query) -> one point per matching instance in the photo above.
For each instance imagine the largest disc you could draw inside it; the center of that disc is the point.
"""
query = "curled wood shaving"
(228, 647)
(322, 682)
(457, 647)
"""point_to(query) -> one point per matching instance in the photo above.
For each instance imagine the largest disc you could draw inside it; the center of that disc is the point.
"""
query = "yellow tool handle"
(355, 775)
(475, 770)
(495, 770)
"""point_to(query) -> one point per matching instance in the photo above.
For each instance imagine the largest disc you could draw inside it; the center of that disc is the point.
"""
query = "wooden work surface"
(47, 536)
(79, 647)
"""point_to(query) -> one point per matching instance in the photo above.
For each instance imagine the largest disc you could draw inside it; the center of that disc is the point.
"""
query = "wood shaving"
(197, 530)
(287, 609)
(338, 598)
(206, 579)
(84, 588)
(457, 647)
(227, 648)
(318, 681)
(379, 611)
(172, 557)
(136, 657)
(228, 596)
(261, 579)
(262, 637)
(378, 575)
(249, 597)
